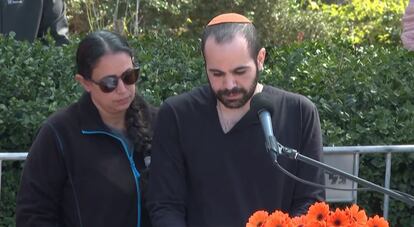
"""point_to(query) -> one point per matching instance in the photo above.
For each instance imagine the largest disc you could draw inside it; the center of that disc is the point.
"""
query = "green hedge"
(364, 95)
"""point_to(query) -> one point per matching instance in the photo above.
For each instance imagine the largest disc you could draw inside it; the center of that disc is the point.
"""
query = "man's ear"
(83, 82)
(261, 56)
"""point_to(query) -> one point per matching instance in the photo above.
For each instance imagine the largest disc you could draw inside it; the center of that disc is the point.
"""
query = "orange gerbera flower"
(299, 221)
(278, 219)
(318, 215)
(338, 218)
(316, 224)
(257, 219)
(318, 212)
(357, 217)
(376, 221)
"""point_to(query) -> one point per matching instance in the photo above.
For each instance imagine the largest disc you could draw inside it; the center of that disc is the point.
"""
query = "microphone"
(262, 104)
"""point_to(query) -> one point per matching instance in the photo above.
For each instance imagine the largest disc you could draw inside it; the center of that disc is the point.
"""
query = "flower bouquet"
(318, 215)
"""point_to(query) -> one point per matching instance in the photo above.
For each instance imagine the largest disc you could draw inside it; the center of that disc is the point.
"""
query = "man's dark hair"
(226, 32)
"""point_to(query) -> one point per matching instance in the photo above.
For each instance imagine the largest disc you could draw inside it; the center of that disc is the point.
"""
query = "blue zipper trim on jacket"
(132, 165)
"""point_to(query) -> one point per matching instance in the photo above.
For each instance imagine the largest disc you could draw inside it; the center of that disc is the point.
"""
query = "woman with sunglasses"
(87, 165)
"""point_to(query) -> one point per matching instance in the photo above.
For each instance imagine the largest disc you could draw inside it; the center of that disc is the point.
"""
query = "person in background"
(87, 165)
(407, 35)
(210, 166)
(31, 19)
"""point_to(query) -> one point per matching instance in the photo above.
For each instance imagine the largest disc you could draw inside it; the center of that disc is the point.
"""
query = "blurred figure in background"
(407, 36)
(31, 19)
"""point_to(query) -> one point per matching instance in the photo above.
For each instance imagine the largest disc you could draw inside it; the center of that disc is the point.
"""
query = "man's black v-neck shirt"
(201, 176)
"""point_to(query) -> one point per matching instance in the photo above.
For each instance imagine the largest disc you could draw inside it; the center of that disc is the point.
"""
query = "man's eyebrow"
(215, 70)
(235, 69)
(241, 67)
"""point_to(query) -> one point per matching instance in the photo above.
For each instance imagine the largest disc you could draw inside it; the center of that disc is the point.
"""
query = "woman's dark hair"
(138, 117)
(94, 46)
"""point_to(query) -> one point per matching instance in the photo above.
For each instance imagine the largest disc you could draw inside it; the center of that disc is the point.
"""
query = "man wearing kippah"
(210, 166)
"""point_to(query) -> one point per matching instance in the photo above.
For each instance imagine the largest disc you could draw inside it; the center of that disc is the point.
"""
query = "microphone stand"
(293, 154)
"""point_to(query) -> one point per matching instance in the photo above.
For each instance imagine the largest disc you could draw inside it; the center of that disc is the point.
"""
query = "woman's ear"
(261, 56)
(83, 82)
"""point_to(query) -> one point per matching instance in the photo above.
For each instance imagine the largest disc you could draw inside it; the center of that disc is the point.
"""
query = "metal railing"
(7, 156)
(388, 150)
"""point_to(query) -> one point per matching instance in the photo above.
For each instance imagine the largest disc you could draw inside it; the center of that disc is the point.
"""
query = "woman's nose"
(121, 86)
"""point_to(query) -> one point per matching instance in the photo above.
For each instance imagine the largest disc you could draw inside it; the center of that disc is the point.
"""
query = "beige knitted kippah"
(229, 18)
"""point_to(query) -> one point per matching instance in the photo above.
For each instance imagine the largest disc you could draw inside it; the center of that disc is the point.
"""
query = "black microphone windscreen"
(261, 101)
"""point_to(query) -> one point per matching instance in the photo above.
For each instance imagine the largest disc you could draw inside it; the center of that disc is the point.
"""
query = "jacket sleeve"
(54, 18)
(42, 181)
(311, 146)
(167, 180)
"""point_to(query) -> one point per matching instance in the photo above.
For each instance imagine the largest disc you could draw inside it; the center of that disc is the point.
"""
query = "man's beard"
(246, 94)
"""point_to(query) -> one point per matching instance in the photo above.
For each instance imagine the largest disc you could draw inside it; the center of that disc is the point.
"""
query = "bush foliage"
(366, 21)
(363, 93)
(279, 21)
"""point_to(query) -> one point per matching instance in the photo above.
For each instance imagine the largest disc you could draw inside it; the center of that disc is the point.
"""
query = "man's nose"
(229, 82)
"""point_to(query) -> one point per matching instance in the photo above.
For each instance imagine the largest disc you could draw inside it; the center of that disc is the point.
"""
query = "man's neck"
(229, 117)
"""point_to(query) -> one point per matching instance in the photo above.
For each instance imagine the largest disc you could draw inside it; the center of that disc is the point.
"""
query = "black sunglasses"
(110, 83)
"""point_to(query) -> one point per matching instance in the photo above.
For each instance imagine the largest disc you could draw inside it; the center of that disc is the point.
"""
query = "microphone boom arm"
(293, 154)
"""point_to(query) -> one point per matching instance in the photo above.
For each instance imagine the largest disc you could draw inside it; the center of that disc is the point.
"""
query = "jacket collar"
(90, 119)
